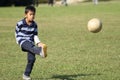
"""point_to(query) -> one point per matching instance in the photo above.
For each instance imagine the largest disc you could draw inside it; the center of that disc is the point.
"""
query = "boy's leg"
(65, 2)
(30, 47)
(31, 59)
(62, 1)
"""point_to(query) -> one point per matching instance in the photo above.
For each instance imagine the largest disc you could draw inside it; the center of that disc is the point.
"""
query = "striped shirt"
(24, 32)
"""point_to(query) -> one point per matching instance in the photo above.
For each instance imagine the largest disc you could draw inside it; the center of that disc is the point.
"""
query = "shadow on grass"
(71, 77)
(65, 77)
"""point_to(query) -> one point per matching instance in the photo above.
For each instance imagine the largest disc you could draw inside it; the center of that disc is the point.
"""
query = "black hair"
(30, 8)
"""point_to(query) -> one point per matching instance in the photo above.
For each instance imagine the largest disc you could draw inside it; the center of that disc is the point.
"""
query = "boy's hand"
(39, 44)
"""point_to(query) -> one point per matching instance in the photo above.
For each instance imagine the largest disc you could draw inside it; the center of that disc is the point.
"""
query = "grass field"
(74, 53)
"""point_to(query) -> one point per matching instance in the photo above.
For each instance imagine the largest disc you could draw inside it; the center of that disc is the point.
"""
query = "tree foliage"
(27, 2)
(15, 2)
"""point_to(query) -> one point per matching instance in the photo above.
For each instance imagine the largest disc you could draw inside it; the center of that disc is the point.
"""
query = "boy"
(50, 2)
(95, 2)
(64, 2)
(26, 35)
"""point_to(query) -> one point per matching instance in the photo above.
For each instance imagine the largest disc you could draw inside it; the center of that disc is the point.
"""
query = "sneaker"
(43, 52)
(26, 77)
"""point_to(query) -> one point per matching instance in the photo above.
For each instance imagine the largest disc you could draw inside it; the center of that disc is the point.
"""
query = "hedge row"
(15, 2)
(27, 2)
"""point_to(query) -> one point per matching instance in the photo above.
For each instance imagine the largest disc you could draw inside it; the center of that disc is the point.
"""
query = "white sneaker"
(43, 52)
(26, 77)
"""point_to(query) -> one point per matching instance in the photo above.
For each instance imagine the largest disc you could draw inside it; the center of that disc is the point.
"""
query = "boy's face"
(30, 15)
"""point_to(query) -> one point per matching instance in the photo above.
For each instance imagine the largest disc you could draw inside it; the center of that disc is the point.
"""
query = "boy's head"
(30, 13)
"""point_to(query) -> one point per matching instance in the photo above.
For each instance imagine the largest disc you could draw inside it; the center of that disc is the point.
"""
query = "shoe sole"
(45, 50)
(26, 78)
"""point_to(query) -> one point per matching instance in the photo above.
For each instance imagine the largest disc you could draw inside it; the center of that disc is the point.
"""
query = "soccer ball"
(94, 25)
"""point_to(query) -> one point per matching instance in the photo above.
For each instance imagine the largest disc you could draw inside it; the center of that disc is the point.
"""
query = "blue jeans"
(31, 50)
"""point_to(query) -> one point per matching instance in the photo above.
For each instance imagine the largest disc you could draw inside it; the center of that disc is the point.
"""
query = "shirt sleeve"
(36, 30)
(17, 29)
(36, 38)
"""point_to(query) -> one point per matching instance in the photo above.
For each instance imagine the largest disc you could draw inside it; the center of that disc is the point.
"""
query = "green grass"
(74, 53)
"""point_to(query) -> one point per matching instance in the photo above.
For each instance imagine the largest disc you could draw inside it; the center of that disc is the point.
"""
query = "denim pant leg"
(30, 63)
(28, 46)
(32, 50)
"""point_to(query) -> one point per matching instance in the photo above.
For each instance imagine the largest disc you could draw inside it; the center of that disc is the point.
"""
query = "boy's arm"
(17, 29)
(36, 39)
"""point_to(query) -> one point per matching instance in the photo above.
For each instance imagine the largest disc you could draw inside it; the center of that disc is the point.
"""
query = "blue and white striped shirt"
(25, 32)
